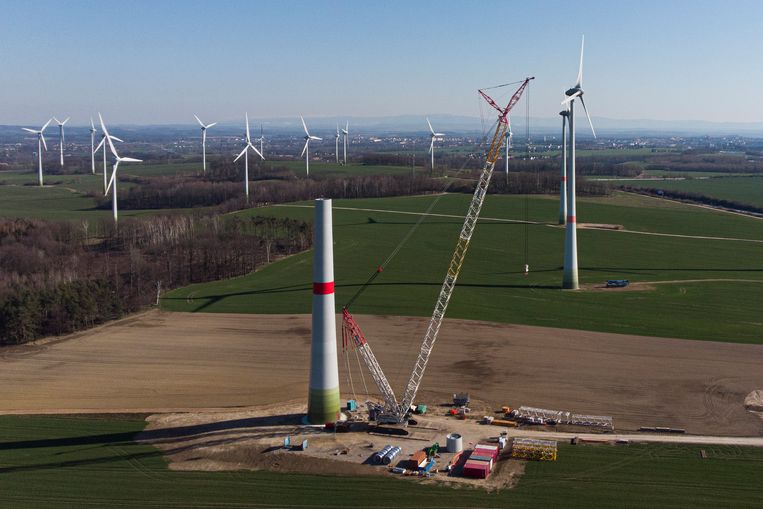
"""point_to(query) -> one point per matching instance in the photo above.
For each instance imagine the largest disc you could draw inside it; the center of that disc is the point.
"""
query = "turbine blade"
(210, 125)
(315, 138)
(580, 69)
(130, 160)
(240, 154)
(431, 146)
(113, 176)
(304, 125)
(65, 121)
(307, 142)
(589, 117)
(569, 98)
(30, 130)
(197, 120)
(103, 140)
(43, 141)
(430, 126)
(118, 139)
(257, 151)
(46, 125)
(248, 137)
(92, 125)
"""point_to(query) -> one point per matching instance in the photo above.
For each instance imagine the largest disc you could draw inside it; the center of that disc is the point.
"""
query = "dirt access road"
(164, 362)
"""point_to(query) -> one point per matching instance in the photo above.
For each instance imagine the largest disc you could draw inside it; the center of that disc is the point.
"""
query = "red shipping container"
(476, 469)
(479, 451)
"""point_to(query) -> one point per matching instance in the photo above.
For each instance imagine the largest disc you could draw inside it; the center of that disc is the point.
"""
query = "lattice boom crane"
(394, 411)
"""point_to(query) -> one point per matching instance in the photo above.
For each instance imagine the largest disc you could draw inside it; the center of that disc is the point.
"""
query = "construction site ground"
(161, 362)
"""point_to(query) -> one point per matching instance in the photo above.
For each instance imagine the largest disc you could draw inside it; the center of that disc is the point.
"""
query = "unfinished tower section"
(323, 397)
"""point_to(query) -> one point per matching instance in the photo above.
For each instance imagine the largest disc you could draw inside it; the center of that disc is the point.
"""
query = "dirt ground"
(252, 438)
(165, 362)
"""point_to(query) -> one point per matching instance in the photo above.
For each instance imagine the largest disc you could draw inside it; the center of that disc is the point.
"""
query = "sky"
(153, 62)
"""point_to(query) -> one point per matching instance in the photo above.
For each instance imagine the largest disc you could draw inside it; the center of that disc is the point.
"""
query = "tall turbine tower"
(306, 150)
(563, 182)
(345, 134)
(40, 144)
(204, 141)
(570, 278)
(323, 394)
(434, 136)
(113, 181)
(93, 130)
(61, 137)
(245, 153)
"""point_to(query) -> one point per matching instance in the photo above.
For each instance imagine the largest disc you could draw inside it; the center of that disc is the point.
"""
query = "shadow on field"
(210, 300)
(113, 444)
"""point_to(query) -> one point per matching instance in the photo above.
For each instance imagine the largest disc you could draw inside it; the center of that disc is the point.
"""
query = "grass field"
(747, 189)
(79, 462)
(492, 286)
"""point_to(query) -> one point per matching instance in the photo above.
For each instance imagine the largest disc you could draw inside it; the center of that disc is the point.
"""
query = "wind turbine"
(93, 130)
(40, 144)
(433, 137)
(509, 135)
(570, 278)
(245, 153)
(565, 113)
(306, 150)
(336, 144)
(261, 139)
(113, 181)
(61, 136)
(204, 141)
(345, 134)
(103, 144)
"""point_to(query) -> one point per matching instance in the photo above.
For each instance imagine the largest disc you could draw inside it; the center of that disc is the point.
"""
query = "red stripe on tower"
(564, 179)
(570, 219)
(323, 288)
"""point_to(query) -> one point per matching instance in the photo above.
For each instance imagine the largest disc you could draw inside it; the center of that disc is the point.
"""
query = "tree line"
(60, 277)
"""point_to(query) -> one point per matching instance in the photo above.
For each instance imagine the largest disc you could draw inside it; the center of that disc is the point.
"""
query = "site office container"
(480, 457)
(418, 459)
(477, 469)
(483, 449)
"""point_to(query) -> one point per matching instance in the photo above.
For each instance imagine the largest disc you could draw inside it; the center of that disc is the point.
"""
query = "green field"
(89, 462)
(747, 189)
(492, 286)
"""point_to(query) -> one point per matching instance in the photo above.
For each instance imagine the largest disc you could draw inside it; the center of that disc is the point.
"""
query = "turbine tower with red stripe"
(570, 277)
(323, 398)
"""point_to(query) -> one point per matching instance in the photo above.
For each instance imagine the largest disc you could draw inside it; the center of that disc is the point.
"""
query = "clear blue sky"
(158, 61)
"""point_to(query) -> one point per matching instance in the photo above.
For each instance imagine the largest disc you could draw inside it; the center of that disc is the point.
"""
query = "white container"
(454, 443)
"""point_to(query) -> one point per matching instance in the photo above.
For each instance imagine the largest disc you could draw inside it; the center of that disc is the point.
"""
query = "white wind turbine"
(345, 135)
(261, 139)
(105, 166)
(61, 136)
(306, 150)
(336, 144)
(40, 144)
(434, 136)
(204, 141)
(93, 130)
(570, 278)
(245, 153)
(113, 181)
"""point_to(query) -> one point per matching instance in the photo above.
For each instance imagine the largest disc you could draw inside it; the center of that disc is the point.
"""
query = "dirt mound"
(754, 401)
(601, 226)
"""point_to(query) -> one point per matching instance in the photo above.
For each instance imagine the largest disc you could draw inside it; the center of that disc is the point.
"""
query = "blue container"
(352, 405)
(428, 466)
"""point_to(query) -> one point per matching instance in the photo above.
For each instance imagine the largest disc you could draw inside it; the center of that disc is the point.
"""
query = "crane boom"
(393, 409)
